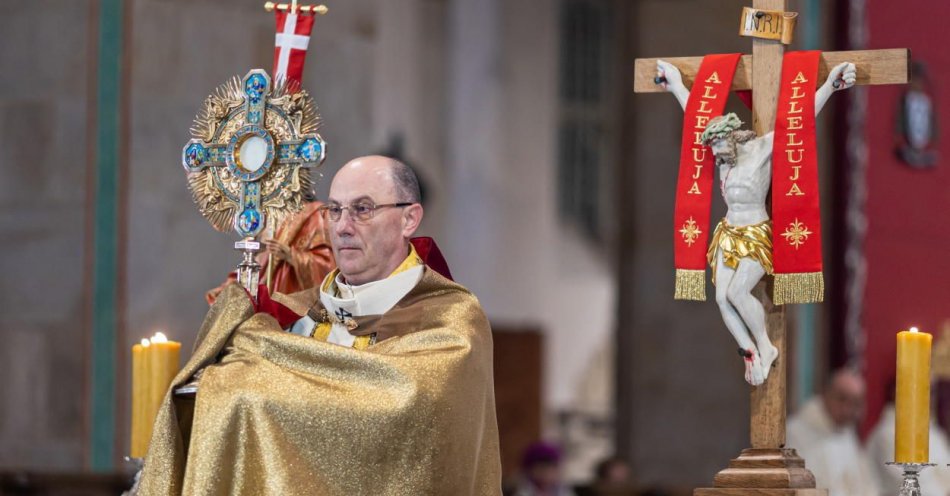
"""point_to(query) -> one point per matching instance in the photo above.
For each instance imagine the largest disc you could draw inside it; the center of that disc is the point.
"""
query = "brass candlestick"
(911, 485)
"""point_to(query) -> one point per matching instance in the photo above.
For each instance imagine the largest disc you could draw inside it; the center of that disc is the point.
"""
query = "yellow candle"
(139, 443)
(163, 365)
(912, 425)
(154, 366)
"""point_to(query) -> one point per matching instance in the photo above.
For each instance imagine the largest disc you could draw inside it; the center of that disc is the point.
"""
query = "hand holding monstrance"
(277, 250)
(740, 253)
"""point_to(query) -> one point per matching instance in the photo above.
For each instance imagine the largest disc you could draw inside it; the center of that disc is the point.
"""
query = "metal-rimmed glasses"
(361, 210)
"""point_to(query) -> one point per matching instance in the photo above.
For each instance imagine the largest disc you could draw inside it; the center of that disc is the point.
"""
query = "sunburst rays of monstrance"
(249, 162)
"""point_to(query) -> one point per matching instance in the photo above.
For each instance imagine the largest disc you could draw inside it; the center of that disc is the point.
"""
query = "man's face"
(844, 400)
(368, 250)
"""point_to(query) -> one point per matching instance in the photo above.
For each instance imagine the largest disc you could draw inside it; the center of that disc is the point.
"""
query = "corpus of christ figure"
(740, 252)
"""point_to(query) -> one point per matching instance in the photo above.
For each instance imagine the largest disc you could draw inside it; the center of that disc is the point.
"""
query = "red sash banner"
(796, 219)
(694, 187)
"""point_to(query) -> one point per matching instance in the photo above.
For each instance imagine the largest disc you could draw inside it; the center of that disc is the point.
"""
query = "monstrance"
(249, 162)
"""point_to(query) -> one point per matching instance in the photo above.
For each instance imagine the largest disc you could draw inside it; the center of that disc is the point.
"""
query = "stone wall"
(43, 196)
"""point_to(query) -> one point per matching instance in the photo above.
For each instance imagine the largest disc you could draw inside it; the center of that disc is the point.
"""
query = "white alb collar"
(372, 298)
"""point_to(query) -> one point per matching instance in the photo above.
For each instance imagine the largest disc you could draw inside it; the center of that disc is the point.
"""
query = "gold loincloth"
(736, 243)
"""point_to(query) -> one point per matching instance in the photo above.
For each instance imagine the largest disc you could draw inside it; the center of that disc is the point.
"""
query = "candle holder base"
(911, 485)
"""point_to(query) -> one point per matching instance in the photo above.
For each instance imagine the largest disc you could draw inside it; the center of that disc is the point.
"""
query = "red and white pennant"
(290, 45)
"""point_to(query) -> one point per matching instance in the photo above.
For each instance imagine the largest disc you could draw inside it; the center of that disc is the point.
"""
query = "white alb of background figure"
(745, 170)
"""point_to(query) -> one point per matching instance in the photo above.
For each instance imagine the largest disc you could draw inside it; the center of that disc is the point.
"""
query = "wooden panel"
(518, 362)
(873, 67)
(766, 69)
(768, 403)
(767, 419)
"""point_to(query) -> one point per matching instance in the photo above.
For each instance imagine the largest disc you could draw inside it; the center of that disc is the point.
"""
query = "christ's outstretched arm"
(844, 75)
(841, 77)
(672, 81)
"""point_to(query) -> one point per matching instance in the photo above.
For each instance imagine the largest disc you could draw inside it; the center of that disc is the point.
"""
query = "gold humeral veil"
(277, 413)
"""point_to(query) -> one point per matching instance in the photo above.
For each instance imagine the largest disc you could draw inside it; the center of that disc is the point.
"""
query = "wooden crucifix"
(768, 467)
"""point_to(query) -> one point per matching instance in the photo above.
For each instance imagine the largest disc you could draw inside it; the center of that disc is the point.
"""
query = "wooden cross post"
(768, 468)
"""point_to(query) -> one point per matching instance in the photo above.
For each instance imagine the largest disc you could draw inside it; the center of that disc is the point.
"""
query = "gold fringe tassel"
(690, 285)
(807, 287)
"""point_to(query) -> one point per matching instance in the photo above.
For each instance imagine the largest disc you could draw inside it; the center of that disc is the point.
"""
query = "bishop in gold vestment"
(280, 413)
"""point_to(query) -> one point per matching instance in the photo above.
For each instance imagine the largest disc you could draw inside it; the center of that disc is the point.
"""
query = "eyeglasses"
(363, 210)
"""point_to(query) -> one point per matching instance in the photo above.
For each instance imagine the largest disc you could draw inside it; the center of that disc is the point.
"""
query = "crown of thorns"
(720, 127)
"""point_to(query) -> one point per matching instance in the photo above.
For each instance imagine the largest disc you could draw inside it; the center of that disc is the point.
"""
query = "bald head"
(847, 379)
(369, 249)
(391, 172)
(844, 397)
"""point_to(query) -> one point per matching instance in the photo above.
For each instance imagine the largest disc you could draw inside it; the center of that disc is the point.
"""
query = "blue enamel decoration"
(286, 152)
(249, 222)
(309, 150)
(255, 87)
(195, 155)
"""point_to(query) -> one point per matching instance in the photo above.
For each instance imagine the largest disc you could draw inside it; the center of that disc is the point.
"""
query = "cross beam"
(873, 67)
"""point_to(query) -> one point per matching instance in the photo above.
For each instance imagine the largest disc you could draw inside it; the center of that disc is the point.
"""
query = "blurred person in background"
(611, 478)
(540, 473)
(824, 431)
